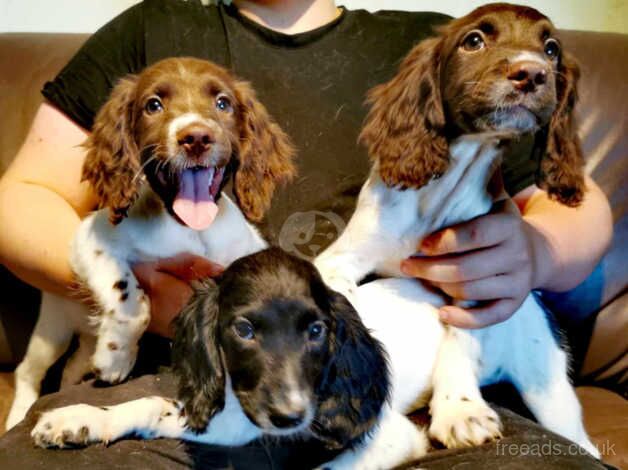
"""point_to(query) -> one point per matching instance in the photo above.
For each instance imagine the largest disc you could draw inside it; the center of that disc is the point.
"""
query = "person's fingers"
(463, 268)
(479, 317)
(167, 299)
(189, 267)
(147, 275)
(482, 232)
(488, 288)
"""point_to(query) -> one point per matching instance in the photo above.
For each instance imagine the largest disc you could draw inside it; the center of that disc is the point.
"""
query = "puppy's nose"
(195, 139)
(526, 76)
(290, 420)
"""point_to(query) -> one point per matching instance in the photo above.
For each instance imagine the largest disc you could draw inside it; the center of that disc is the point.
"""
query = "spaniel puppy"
(434, 133)
(266, 349)
(161, 149)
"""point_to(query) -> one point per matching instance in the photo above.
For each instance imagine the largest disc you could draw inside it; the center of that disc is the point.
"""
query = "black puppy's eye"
(244, 329)
(473, 41)
(223, 103)
(551, 48)
(153, 106)
(316, 331)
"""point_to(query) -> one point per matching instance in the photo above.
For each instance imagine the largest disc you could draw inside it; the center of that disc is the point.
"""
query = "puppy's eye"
(223, 104)
(551, 48)
(316, 331)
(473, 41)
(153, 106)
(244, 329)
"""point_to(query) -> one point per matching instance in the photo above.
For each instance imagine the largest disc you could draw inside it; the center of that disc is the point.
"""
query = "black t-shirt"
(313, 84)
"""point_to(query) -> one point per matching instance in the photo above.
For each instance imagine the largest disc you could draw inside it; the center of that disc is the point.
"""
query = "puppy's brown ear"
(404, 130)
(112, 161)
(265, 155)
(561, 171)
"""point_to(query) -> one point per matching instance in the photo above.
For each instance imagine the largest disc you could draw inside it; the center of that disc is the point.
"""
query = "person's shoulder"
(399, 29)
(412, 16)
(184, 28)
(402, 18)
(178, 7)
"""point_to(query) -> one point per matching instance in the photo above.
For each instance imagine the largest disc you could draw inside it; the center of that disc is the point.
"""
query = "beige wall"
(594, 15)
(88, 15)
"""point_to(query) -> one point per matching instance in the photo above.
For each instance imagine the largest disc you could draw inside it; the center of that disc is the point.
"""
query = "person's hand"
(167, 284)
(490, 259)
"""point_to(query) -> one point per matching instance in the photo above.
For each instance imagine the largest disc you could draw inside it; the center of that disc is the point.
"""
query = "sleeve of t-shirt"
(84, 84)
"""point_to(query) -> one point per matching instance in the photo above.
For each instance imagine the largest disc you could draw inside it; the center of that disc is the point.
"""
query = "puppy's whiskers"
(153, 157)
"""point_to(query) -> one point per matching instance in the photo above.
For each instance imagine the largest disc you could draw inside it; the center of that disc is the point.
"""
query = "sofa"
(594, 315)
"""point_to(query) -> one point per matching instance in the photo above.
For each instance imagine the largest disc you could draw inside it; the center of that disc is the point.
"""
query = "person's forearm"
(568, 242)
(37, 228)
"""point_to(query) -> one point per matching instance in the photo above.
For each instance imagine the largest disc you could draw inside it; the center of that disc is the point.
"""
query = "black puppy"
(267, 348)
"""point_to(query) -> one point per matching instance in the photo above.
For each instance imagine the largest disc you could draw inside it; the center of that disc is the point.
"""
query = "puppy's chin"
(514, 118)
(262, 421)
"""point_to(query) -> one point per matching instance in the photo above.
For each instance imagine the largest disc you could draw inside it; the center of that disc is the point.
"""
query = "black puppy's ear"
(355, 382)
(196, 357)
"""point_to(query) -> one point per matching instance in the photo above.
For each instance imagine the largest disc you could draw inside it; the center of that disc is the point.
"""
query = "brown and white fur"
(434, 133)
(180, 122)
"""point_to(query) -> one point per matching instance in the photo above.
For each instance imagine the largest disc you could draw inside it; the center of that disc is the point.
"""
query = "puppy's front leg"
(372, 237)
(460, 416)
(124, 316)
(80, 425)
(100, 262)
(395, 441)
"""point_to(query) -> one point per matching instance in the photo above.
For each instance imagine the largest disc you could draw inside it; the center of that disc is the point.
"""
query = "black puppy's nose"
(527, 75)
(291, 420)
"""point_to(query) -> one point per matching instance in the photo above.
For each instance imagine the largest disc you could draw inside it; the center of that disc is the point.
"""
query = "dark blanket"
(525, 445)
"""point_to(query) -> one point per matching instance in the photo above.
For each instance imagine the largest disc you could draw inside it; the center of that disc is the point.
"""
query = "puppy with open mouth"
(160, 152)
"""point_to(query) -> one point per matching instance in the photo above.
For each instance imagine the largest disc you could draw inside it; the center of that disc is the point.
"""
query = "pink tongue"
(193, 204)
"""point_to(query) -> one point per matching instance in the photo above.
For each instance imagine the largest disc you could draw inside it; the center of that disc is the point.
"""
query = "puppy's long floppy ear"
(112, 161)
(196, 357)
(265, 155)
(404, 130)
(561, 171)
(355, 382)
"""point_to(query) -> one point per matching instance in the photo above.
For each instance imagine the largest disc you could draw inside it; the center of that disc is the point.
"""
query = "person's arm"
(500, 257)
(571, 241)
(42, 201)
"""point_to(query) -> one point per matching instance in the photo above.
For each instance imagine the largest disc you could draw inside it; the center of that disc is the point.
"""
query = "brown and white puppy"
(160, 151)
(434, 133)
(500, 68)
(182, 123)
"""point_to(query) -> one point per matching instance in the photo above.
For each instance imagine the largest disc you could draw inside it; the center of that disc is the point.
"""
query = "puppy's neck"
(466, 190)
(148, 204)
(462, 192)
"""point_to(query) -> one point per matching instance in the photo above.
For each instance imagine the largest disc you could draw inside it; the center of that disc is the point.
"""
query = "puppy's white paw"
(587, 445)
(71, 426)
(21, 404)
(113, 363)
(463, 422)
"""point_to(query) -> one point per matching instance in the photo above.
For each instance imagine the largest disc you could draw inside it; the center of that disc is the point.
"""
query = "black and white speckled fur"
(278, 381)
